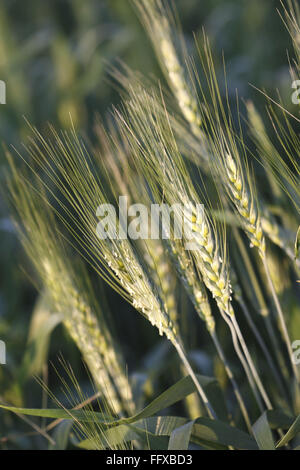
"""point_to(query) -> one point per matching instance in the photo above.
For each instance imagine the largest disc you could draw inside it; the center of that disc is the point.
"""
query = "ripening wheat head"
(159, 22)
(159, 254)
(155, 150)
(71, 292)
(228, 152)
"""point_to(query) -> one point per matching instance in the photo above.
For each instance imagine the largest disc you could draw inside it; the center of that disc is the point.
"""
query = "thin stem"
(243, 361)
(232, 380)
(251, 364)
(263, 309)
(263, 346)
(281, 319)
(275, 343)
(199, 388)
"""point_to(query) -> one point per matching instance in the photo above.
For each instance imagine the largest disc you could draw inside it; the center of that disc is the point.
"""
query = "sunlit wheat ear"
(132, 277)
(194, 286)
(153, 251)
(159, 23)
(121, 259)
(230, 162)
(234, 173)
(157, 252)
(246, 206)
(156, 151)
(123, 177)
(243, 198)
(191, 144)
(237, 183)
(229, 159)
(191, 281)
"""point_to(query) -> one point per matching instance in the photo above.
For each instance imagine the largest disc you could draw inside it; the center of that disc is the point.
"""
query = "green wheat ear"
(155, 151)
(71, 292)
(159, 23)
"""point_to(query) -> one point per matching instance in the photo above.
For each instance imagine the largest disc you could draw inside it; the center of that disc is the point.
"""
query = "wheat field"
(168, 339)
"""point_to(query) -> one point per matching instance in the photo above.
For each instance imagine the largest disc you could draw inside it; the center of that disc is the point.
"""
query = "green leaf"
(211, 431)
(117, 438)
(263, 434)
(43, 322)
(278, 419)
(58, 413)
(204, 432)
(180, 437)
(172, 395)
(177, 392)
(217, 432)
(217, 400)
(292, 432)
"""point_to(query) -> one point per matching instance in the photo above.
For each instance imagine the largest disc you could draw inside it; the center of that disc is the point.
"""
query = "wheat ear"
(246, 206)
(45, 248)
(158, 21)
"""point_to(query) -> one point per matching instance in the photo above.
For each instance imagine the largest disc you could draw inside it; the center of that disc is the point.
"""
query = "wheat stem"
(251, 364)
(197, 293)
(281, 319)
(191, 373)
(241, 357)
(230, 375)
(263, 309)
(263, 346)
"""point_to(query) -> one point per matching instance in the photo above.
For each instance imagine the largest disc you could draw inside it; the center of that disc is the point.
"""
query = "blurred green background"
(53, 59)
